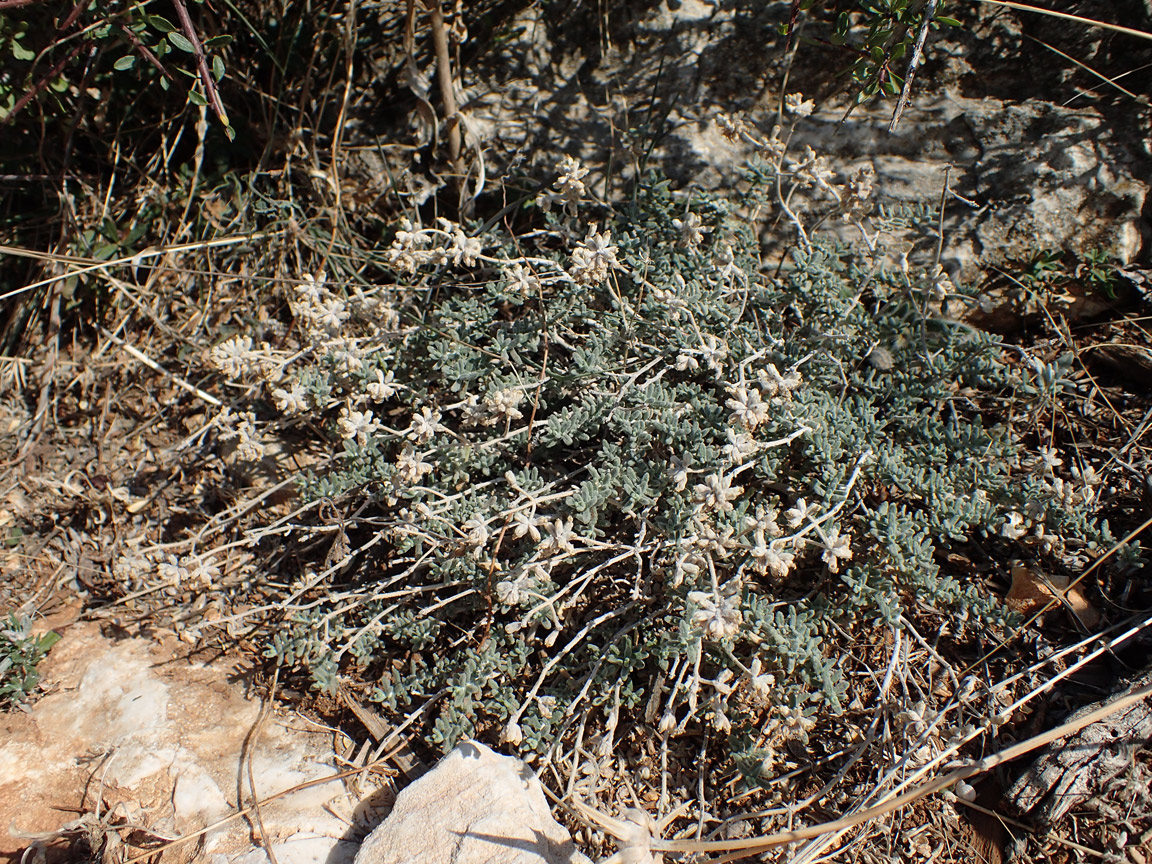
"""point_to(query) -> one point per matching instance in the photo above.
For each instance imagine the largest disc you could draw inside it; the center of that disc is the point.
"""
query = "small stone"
(474, 806)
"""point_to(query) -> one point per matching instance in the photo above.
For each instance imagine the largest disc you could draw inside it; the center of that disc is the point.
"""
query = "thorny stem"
(30, 95)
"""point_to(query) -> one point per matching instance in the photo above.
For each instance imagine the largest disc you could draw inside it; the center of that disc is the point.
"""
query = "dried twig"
(913, 62)
(447, 85)
(625, 831)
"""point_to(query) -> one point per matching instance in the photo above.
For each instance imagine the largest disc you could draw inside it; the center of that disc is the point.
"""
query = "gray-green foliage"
(671, 491)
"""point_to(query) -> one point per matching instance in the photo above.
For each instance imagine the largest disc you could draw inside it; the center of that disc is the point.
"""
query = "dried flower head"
(594, 258)
(796, 105)
(356, 425)
(717, 616)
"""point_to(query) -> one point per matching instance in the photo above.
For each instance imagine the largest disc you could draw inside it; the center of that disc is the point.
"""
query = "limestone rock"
(474, 807)
(142, 734)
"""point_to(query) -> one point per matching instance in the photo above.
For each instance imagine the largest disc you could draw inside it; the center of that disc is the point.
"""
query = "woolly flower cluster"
(237, 358)
(414, 247)
(498, 407)
(749, 409)
(241, 429)
(568, 189)
(718, 614)
(319, 312)
(354, 425)
(593, 259)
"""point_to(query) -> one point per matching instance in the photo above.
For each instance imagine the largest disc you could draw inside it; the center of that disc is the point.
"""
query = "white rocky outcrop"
(474, 807)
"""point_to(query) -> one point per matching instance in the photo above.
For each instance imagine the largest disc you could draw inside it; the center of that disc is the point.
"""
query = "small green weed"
(20, 653)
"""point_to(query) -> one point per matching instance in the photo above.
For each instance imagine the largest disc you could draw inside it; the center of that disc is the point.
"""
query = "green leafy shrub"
(98, 62)
(20, 654)
(617, 466)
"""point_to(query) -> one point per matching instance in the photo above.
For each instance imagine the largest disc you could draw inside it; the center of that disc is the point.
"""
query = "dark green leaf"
(181, 42)
(159, 22)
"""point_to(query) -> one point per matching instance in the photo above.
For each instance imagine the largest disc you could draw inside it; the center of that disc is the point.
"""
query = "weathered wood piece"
(1073, 769)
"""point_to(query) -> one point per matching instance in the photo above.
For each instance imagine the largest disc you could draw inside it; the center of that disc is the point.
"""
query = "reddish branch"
(201, 62)
(146, 52)
(41, 84)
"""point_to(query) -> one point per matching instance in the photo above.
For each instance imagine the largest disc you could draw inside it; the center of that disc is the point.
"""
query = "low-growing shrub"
(612, 464)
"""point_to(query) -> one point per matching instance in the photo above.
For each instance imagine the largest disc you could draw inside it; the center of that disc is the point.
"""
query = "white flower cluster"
(593, 259)
(567, 190)
(735, 130)
(692, 230)
(498, 407)
(319, 312)
(355, 425)
(856, 196)
(1082, 491)
(425, 425)
(473, 536)
(718, 614)
(713, 350)
(558, 537)
(383, 388)
(410, 466)
(413, 248)
(796, 105)
(236, 358)
(291, 399)
(761, 535)
(813, 170)
(768, 554)
(716, 493)
(137, 567)
(747, 403)
(521, 280)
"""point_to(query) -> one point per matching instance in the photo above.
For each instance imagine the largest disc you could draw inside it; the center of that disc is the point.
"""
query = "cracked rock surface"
(133, 733)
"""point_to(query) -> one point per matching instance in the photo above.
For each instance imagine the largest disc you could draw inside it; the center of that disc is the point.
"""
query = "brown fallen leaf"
(1032, 590)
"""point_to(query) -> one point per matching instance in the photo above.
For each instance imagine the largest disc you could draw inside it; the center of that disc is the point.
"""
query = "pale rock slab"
(160, 736)
(474, 807)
